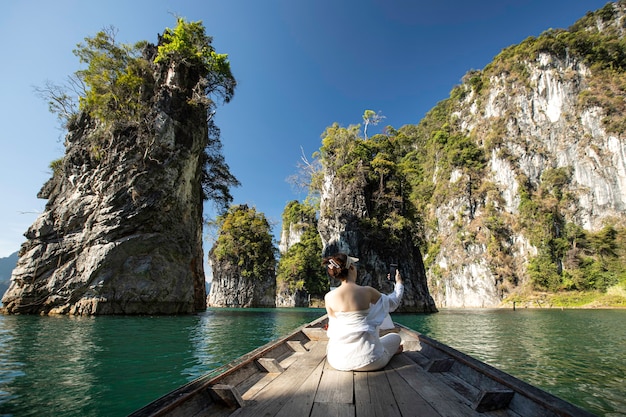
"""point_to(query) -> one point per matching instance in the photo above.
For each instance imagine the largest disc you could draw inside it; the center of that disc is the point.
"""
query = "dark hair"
(336, 269)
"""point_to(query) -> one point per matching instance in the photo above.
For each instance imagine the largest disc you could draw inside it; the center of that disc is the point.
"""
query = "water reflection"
(224, 334)
(35, 358)
(10, 367)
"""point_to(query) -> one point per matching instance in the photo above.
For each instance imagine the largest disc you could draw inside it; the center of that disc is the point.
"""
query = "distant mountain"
(6, 267)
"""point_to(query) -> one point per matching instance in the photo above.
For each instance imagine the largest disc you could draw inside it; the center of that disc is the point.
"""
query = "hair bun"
(333, 271)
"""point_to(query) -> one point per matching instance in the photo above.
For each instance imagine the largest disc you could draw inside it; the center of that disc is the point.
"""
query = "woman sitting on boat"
(355, 314)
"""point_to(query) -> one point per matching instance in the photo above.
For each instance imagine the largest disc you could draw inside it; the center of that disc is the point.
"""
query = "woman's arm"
(374, 295)
(327, 305)
(398, 290)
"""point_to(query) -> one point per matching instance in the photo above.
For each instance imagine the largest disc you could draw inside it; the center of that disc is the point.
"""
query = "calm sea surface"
(110, 366)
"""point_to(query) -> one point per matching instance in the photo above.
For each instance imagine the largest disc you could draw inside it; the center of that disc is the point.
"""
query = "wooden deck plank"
(335, 387)
(439, 395)
(301, 403)
(362, 398)
(280, 390)
(385, 393)
(332, 410)
(252, 387)
(382, 399)
(410, 402)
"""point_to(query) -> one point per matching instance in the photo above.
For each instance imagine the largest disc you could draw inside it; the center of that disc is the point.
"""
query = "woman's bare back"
(351, 297)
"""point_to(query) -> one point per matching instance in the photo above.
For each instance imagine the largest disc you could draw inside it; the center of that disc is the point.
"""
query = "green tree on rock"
(117, 89)
(245, 242)
(299, 267)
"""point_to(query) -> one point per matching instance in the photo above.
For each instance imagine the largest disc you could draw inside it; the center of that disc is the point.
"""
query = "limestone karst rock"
(343, 210)
(300, 279)
(534, 112)
(122, 229)
(289, 236)
(230, 289)
(242, 260)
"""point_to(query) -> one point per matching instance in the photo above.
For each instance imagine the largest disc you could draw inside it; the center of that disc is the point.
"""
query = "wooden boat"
(290, 377)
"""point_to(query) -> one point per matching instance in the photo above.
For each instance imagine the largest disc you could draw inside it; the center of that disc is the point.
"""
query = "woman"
(354, 315)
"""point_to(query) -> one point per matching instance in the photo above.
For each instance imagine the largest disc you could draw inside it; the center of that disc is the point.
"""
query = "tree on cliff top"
(374, 166)
(117, 86)
(245, 242)
(299, 267)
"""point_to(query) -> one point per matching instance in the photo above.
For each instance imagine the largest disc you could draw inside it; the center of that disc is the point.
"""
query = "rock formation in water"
(354, 210)
(290, 235)
(548, 115)
(122, 228)
(243, 262)
(6, 269)
(300, 280)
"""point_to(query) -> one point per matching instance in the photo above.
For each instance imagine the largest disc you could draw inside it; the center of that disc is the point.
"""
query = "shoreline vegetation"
(614, 297)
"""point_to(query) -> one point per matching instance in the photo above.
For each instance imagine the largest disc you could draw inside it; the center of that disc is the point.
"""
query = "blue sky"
(301, 65)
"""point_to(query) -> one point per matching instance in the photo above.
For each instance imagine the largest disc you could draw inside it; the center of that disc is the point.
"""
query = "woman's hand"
(398, 277)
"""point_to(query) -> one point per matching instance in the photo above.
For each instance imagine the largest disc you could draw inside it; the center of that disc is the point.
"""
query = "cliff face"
(529, 126)
(122, 229)
(300, 279)
(290, 235)
(343, 208)
(243, 261)
(230, 289)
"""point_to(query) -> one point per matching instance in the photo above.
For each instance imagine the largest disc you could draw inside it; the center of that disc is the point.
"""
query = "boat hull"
(290, 377)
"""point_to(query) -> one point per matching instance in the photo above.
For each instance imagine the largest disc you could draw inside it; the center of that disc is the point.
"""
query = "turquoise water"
(110, 366)
(578, 355)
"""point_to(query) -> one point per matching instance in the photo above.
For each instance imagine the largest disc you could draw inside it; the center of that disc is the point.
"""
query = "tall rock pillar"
(122, 229)
(342, 226)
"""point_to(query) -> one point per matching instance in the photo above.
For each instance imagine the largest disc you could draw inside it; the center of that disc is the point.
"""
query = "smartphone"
(392, 272)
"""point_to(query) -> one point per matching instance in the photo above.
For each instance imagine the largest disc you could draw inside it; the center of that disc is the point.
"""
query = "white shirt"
(353, 340)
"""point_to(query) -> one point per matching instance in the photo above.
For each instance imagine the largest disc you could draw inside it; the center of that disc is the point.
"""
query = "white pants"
(391, 342)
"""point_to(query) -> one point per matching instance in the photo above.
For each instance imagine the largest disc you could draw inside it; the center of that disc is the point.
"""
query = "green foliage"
(543, 273)
(189, 44)
(371, 118)
(554, 180)
(338, 149)
(475, 80)
(56, 166)
(115, 78)
(296, 212)
(299, 268)
(245, 241)
(463, 152)
(572, 299)
(376, 166)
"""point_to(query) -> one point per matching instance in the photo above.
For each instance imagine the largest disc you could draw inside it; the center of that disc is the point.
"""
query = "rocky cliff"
(345, 225)
(243, 262)
(300, 279)
(122, 228)
(230, 288)
(290, 236)
(6, 268)
(548, 117)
